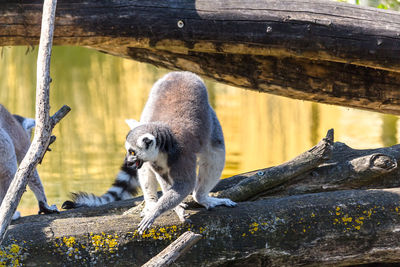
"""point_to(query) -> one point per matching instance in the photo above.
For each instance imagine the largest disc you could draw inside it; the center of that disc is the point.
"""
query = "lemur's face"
(141, 147)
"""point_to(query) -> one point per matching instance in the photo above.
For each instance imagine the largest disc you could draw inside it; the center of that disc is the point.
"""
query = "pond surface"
(260, 130)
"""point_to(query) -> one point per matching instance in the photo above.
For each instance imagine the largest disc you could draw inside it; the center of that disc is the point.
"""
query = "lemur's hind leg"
(36, 186)
(8, 166)
(6, 176)
(211, 164)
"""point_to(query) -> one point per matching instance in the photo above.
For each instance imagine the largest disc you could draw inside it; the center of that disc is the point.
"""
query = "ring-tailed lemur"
(124, 187)
(178, 133)
(15, 132)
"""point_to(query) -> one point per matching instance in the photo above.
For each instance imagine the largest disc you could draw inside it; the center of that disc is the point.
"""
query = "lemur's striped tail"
(124, 187)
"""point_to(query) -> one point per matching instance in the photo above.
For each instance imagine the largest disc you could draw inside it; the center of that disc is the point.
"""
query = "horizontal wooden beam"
(322, 51)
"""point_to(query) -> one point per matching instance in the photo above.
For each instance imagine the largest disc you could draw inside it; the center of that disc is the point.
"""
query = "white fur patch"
(127, 146)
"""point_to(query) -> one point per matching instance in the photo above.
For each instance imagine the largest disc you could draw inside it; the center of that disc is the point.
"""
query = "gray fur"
(178, 131)
(14, 143)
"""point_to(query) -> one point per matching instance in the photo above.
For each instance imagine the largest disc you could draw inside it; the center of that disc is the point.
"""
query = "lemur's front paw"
(145, 224)
(46, 209)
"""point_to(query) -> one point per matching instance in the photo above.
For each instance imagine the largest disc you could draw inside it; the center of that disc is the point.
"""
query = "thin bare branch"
(44, 123)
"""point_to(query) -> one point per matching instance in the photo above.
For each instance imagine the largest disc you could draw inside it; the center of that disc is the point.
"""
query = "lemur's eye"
(132, 152)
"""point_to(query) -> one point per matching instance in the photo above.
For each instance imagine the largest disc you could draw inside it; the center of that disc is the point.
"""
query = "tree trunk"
(322, 51)
(343, 227)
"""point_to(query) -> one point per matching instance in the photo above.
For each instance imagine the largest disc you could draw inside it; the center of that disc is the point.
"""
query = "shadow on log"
(291, 220)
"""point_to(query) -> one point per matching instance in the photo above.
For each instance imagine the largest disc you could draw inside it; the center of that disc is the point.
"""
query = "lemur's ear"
(146, 140)
(132, 123)
(28, 124)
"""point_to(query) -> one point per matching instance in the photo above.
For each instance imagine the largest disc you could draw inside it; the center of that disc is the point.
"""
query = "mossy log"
(322, 51)
(332, 228)
(284, 225)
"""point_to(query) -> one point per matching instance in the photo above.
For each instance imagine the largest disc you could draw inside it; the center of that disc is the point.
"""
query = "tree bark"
(330, 229)
(322, 51)
(284, 225)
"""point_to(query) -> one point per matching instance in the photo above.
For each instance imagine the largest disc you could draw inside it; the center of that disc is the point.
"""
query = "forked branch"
(44, 123)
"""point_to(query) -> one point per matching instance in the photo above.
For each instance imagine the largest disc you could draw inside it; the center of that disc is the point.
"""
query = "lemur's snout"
(133, 163)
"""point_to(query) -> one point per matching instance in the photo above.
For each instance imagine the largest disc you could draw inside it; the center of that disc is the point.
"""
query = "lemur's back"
(180, 100)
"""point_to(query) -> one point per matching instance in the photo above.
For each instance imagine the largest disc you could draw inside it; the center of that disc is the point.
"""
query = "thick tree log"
(329, 229)
(322, 51)
(345, 227)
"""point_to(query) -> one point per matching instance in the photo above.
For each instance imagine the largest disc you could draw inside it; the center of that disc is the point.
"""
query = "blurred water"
(260, 129)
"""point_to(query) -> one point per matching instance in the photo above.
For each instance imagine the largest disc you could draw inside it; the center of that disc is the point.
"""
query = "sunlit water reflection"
(260, 129)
